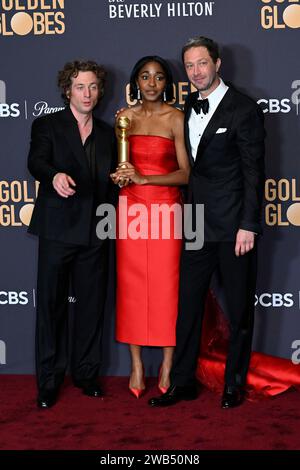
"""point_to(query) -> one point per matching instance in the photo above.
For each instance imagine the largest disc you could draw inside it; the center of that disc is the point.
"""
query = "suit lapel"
(187, 113)
(103, 155)
(218, 119)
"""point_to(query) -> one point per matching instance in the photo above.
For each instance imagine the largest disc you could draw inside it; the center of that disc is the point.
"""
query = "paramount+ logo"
(280, 14)
(17, 200)
(35, 17)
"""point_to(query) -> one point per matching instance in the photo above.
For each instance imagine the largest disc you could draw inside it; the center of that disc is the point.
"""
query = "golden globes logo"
(16, 203)
(283, 202)
(38, 17)
(180, 90)
(280, 14)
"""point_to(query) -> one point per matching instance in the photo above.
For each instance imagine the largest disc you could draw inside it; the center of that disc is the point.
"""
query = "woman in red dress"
(148, 262)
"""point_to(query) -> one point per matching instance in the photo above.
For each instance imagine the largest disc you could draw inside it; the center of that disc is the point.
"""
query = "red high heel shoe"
(162, 389)
(138, 392)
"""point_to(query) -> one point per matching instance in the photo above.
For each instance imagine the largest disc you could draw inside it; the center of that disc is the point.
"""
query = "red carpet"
(119, 421)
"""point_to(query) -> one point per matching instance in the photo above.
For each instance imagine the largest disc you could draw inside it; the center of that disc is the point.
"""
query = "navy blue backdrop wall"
(260, 56)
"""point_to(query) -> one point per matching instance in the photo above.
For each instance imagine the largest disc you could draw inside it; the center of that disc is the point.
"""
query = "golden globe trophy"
(123, 125)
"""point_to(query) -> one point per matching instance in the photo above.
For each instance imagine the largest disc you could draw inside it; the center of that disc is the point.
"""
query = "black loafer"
(231, 397)
(174, 394)
(47, 398)
(90, 388)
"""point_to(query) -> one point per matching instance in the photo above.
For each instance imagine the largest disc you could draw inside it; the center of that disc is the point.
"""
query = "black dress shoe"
(47, 398)
(89, 388)
(232, 397)
(175, 394)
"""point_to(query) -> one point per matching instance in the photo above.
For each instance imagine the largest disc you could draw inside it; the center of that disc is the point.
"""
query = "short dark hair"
(72, 69)
(202, 41)
(133, 89)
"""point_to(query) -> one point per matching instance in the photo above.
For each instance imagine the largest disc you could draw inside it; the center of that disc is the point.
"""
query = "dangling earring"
(138, 94)
(165, 96)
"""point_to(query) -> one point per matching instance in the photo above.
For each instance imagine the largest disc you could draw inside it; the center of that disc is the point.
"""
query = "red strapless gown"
(148, 269)
(267, 375)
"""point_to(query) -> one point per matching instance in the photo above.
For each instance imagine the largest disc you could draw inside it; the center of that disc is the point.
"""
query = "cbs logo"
(11, 110)
(13, 298)
(274, 300)
(273, 105)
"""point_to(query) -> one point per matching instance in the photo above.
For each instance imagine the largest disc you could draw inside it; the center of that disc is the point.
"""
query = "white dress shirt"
(198, 122)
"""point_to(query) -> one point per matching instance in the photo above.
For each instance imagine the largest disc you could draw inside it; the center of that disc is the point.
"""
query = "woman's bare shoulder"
(177, 116)
(177, 113)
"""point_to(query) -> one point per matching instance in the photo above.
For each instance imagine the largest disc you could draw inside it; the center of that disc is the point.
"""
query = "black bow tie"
(201, 104)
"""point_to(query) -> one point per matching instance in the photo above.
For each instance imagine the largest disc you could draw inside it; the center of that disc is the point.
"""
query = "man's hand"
(128, 172)
(62, 184)
(120, 180)
(119, 111)
(244, 242)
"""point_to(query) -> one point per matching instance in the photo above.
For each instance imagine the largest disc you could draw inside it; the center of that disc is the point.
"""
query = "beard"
(208, 85)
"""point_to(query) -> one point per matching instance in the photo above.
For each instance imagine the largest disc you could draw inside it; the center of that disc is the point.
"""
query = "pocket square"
(221, 130)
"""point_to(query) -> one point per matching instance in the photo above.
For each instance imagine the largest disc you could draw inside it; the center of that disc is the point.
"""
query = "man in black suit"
(71, 154)
(225, 137)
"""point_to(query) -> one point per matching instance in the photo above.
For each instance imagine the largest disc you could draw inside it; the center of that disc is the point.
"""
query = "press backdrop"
(259, 41)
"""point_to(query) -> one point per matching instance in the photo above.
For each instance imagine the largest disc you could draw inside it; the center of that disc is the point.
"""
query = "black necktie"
(201, 104)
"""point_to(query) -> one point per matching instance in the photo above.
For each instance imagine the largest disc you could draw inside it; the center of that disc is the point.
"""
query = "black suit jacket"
(228, 173)
(56, 147)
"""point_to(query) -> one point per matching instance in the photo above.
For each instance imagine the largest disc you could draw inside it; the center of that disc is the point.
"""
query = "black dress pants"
(238, 276)
(86, 268)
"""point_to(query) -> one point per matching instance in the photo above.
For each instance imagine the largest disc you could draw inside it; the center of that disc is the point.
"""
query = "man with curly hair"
(71, 154)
